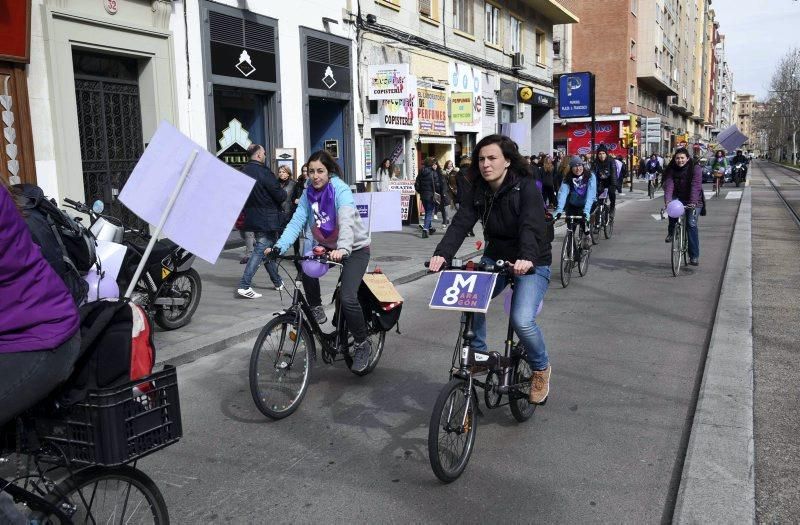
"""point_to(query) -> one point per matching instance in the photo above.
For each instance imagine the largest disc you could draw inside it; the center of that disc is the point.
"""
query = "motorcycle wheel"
(190, 289)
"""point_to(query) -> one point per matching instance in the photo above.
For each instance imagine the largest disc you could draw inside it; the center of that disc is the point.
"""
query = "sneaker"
(668, 239)
(248, 293)
(319, 315)
(433, 230)
(361, 355)
(424, 234)
(280, 287)
(540, 386)
(694, 261)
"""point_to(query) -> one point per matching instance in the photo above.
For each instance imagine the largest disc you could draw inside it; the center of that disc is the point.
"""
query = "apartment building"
(437, 76)
(745, 109)
(723, 90)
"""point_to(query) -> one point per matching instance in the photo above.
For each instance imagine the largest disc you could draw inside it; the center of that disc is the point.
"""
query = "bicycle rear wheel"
(566, 258)
(583, 259)
(110, 495)
(521, 408)
(677, 248)
(451, 433)
(608, 225)
(277, 386)
(377, 351)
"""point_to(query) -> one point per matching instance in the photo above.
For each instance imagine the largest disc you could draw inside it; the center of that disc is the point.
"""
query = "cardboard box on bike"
(380, 300)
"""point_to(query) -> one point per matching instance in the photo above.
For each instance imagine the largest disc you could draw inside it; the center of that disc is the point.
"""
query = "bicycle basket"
(117, 425)
(383, 315)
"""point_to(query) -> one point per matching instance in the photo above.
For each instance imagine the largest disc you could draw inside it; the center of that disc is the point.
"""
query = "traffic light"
(633, 124)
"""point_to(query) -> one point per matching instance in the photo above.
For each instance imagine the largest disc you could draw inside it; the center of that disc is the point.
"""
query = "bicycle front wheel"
(608, 225)
(451, 433)
(110, 495)
(566, 259)
(583, 259)
(677, 249)
(278, 383)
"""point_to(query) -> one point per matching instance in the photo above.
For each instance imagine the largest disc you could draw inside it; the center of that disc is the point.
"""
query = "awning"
(429, 139)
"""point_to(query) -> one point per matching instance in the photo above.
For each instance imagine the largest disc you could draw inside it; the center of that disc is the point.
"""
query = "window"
(658, 58)
(515, 35)
(632, 93)
(541, 50)
(633, 50)
(634, 6)
(658, 14)
(429, 9)
(463, 16)
(492, 24)
(556, 48)
(393, 4)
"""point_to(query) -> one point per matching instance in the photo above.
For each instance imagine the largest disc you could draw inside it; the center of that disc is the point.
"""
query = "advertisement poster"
(406, 190)
(432, 112)
(461, 108)
(398, 113)
(387, 81)
(579, 138)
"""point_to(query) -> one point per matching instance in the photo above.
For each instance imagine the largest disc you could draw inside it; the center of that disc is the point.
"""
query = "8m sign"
(463, 291)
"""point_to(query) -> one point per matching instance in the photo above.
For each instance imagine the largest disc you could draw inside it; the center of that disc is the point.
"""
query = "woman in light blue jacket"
(328, 217)
(578, 192)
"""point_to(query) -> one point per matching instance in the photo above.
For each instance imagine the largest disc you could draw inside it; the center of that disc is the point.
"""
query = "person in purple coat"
(39, 335)
(683, 180)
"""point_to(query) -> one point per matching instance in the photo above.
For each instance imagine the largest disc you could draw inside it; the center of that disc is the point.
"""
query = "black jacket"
(462, 184)
(428, 182)
(606, 173)
(262, 211)
(513, 222)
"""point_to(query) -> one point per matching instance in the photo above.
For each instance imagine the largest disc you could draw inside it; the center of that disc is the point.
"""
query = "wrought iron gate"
(110, 127)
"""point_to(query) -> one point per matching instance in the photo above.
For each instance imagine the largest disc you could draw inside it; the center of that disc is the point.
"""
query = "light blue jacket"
(566, 191)
(352, 231)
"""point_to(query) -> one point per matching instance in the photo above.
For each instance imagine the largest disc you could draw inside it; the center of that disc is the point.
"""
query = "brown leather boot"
(540, 386)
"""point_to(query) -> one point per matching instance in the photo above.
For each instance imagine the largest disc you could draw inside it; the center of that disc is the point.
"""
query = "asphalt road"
(627, 344)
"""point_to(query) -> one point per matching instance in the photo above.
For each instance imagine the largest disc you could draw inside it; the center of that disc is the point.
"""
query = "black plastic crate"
(117, 425)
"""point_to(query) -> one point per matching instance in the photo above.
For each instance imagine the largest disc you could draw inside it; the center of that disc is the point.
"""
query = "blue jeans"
(691, 229)
(529, 291)
(264, 240)
(430, 210)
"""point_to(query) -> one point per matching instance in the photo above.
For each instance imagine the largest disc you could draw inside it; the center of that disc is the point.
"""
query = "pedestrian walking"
(384, 174)
(622, 172)
(450, 186)
(428, 185)
(464, 184)
(287, 182)
(262, 216)
(548, 181)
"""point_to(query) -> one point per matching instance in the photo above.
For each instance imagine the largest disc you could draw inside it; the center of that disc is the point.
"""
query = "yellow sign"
(432, 111)
(461, 108)
(525, 94)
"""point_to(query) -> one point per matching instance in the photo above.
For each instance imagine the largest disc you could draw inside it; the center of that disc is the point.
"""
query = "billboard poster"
(432, 111)
(579, 138)
(461, 108)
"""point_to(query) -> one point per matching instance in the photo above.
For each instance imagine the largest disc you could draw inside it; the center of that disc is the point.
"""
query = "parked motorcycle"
(169, 289)
(739, 173)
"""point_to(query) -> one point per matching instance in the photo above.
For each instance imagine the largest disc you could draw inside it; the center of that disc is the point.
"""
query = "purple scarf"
(580, 184)
(323, 205)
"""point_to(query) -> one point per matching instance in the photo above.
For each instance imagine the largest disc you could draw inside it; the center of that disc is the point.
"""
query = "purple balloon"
(675, 209)
(314, 269)
(101, 287)
(507, 303)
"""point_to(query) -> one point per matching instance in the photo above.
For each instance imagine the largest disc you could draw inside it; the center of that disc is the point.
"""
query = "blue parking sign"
(463, 291)
(575, 95)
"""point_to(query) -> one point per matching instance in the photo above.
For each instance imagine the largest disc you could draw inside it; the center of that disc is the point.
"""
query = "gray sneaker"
(319, 315)
(361, 355)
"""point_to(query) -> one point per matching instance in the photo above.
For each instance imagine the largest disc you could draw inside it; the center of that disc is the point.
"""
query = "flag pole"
(154, 237)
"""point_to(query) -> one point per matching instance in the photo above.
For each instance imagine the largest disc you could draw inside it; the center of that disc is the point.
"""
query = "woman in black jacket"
(511, 209)
(428, 183)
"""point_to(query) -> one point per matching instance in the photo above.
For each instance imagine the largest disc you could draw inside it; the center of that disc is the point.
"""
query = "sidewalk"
(223, 319)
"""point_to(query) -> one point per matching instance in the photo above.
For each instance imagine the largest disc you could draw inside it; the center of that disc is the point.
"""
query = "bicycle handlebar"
(499, 266)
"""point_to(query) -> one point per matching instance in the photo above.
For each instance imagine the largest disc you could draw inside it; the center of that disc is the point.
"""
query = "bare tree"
(780, 120)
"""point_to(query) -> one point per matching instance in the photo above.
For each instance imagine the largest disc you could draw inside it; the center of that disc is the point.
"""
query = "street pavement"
(627, 343)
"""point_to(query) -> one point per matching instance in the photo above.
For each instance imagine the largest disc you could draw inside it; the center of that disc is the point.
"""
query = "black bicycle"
(454, 423)
(77, 464)
(604, 218)
(285, 350)
(575, 249)
(679, 251)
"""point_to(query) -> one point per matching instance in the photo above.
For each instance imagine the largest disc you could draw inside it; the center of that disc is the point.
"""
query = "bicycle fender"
(288, 317)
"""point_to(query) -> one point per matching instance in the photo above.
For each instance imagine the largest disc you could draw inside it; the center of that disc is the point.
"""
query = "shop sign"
(465, 78)
(461, 108)
(579, 138)
(233, 145)
(232, 61)
(388, 81)
(327, 77)
(368, 159)
(15, 26)
(399, 113)
(332, 147)
(406, 190)
(432, 112)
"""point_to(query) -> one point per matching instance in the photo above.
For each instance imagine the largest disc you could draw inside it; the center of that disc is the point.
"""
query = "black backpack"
(65, 243)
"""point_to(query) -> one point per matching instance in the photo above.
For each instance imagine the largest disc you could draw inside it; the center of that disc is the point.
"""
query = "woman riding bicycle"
(578, 193)
(683, 180)
(327, 210)
(718, 167)
(506, 201)
(39, 336)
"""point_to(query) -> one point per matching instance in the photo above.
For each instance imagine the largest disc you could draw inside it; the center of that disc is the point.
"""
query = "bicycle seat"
(603, 195)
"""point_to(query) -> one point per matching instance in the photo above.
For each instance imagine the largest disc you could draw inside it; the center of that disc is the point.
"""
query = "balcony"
(553, 11)
(669, 45)
(655, 79)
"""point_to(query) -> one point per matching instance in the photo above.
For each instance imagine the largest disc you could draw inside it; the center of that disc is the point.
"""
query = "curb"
(718, 477)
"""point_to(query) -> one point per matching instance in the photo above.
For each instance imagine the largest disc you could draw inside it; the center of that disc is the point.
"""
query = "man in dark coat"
(427, 184)
(605, 170)
(262, 216)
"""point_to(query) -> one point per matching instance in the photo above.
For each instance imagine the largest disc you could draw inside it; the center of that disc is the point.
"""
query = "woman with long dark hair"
(683, 180)
(510, 207)
(327, 211)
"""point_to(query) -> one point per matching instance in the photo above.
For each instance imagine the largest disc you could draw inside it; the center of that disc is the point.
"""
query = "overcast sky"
(758, 33)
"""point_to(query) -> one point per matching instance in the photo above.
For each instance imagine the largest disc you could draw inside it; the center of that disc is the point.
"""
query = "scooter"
(169, 289)
(739, 173)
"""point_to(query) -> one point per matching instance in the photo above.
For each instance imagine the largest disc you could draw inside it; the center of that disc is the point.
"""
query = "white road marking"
(709, 194)
(656, 216)
(732, 195)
